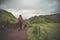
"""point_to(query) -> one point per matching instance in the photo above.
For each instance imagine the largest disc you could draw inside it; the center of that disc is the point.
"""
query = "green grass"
(48, 31)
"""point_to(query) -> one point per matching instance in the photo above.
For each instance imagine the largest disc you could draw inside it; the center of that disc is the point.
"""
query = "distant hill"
(55, 18)
(7, 16)
(44, 27)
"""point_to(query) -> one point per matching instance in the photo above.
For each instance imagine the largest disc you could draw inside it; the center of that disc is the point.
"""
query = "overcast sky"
(29, 8)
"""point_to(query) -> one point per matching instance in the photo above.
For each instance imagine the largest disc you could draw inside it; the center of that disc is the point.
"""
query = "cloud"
(30, 8)
(45, 5)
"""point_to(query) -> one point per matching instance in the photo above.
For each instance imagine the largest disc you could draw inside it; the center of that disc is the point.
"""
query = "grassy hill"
(55, 18)
(7, 16)
(44, 27)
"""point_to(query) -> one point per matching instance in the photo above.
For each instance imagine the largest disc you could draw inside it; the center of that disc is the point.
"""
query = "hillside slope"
(44, 27)
(55, 18)
(7, 16)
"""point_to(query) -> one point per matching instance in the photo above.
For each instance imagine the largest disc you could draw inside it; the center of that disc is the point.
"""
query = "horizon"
(27, 16)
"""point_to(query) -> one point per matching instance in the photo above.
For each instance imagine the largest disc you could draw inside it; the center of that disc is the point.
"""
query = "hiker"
(21, 22)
